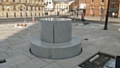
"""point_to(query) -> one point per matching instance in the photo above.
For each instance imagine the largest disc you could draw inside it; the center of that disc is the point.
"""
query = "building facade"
(21, 8)
(61, 7)
(96, 7)
(49, 5)
(114, 7)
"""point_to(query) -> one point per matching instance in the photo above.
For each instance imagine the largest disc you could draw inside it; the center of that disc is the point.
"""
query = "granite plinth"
(56, 50)
(56, 30)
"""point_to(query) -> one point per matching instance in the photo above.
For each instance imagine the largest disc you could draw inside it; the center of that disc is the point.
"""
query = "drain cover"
(99, 60)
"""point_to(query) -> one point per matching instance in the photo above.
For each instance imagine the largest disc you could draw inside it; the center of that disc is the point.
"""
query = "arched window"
(26, 7)
(21, 8)
(3, 8)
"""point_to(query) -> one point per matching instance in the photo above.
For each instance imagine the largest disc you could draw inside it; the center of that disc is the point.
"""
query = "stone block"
(71, 62)
(53, 65)
(34, 63)
(16, 59)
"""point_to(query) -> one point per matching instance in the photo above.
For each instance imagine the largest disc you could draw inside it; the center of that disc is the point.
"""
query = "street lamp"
(106, 20)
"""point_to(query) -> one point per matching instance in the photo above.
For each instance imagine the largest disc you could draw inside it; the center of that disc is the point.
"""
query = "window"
(102, 0)
(21, 8)
(31, 8)
(6, 0)
(101, 11)
(1, 0)
(26, 7)
(20, 1)
(26, 1)
(7, 8)
(39, 8)
(3, 8)
(92, 1)
(92, 11)
(14, 7)
(13, 0)
(35, 8)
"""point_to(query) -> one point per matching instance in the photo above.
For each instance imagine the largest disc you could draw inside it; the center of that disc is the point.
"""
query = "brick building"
(96, 7)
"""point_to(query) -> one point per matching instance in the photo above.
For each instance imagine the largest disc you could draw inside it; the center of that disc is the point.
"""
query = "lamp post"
(78, 7)
(106, 20)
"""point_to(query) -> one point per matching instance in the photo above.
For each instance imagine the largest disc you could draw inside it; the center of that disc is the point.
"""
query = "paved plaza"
(15, 44)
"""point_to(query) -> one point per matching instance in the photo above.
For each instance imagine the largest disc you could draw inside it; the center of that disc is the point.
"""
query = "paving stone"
(3, 56)
(34, 63)
(71, 62)
(15, 52)
(17, 42)
(86, 55)
(53, 65)
(3, 43)
(17, 59)
(3, 49)
(88, 42)
(13, 67)
(112, 50)
(105, 41)
(19, 45)
(91, 49)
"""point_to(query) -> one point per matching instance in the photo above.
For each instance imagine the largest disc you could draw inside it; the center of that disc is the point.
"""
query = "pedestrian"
(82, 17)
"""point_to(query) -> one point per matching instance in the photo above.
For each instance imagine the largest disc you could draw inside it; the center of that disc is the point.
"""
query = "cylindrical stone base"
(56, 50)
(56, 30)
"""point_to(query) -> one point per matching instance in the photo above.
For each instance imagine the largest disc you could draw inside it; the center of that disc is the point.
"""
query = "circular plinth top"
(55, 19)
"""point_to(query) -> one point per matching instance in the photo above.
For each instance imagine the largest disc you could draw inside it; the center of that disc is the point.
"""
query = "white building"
(48, 6)
(61, 7)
